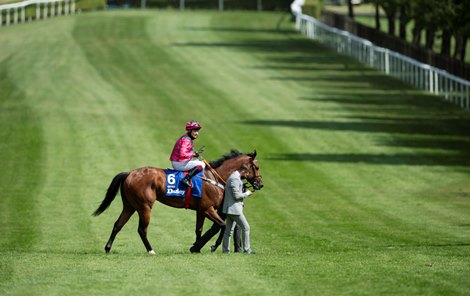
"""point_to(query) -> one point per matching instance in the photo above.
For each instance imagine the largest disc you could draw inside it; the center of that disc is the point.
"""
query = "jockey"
(183, 158)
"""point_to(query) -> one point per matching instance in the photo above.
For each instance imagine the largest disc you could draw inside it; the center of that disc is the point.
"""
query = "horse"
(141, 187)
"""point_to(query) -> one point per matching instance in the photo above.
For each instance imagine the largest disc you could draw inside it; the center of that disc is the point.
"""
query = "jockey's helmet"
(193, 125)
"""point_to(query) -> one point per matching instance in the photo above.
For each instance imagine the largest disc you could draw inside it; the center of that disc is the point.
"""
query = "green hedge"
(270, 5)
(86, 5)
(313, 8)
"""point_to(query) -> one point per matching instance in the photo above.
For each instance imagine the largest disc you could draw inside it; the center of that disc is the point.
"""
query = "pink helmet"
(193, 125)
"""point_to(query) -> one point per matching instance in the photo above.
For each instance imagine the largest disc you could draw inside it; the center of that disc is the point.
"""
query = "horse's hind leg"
(120, 222)
(144, 220)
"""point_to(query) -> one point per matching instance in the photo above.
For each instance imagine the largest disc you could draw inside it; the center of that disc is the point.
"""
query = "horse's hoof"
(193, 249)
(152, 252)
(213, 248)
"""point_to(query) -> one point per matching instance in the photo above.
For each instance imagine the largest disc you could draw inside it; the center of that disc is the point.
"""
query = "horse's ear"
(254, 154)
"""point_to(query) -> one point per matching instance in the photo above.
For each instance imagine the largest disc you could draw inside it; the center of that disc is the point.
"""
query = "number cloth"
(174, 186)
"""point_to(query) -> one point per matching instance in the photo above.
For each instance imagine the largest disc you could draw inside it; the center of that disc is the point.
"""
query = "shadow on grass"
(416, 159)
(445, 144)
(405, 126)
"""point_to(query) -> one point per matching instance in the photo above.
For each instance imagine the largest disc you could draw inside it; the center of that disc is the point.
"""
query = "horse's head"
(253, 176)
(232, 161)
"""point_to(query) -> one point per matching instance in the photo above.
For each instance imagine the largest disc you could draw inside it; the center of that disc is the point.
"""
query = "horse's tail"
(111, 192)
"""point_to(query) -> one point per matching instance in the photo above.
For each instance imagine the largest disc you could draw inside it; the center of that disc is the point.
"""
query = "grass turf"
(366, 180)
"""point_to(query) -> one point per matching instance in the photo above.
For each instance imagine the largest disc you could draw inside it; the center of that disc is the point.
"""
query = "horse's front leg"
(201, 242)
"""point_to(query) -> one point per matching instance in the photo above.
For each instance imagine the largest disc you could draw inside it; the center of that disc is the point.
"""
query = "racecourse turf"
(367, 181)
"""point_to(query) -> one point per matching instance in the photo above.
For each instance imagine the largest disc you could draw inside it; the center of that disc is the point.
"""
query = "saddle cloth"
(174, 186)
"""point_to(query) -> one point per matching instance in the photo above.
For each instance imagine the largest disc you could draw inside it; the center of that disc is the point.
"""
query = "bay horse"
(141, 187)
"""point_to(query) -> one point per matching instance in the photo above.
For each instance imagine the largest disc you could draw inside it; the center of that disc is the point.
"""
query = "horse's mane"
(232, 154)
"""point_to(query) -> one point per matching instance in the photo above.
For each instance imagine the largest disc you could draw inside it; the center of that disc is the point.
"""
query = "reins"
(214, 172)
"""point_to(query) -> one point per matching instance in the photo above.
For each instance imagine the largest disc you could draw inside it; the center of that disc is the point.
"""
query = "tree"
(377, 16)
(462, 28)
(390, 7)
(446, 24)
(404, 15)
(350, 9)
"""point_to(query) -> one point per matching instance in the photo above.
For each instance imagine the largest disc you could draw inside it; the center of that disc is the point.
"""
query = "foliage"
(449, 16)
(86, 5)
(268, 5)
(313, 8)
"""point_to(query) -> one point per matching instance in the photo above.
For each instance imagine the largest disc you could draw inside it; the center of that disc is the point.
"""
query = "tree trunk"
(417, 35)
(404, 19)
(377, 17)
(391, 24)
(464, 47)
(460, 46)
(430, 33)
(350, 9)
(445, 44)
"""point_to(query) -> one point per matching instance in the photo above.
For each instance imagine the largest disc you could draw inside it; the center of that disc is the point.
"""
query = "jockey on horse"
(183, 157)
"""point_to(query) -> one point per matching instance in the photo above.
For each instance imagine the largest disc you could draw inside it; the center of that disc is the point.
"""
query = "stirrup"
(187, 183)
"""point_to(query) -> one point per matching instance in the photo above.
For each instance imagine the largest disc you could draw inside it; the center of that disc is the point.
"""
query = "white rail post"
(372, 56)
(446, 87)
(387, 63)
(45, 11)
(467, 97)
(431, 81)
(462, 101)
(451, 90)
(73, 7)
(52, 9)
(38, 11)
(8, 17)
(59, 8)
(66, 7)
(23, 15)
(15, 15)
(1, 21)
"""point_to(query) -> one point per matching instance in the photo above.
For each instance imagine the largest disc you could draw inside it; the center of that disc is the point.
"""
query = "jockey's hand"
(248, 193)
(196, 154)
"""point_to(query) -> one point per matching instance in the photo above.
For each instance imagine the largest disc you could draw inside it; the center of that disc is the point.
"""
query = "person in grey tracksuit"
(233, 207)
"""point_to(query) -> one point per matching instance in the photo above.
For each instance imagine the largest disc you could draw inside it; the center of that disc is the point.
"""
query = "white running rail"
(15, 13)
(419, 75)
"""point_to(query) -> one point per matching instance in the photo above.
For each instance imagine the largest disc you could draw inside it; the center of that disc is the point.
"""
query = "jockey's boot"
(187, 179)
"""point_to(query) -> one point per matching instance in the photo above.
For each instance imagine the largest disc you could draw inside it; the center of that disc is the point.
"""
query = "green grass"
(366, 180)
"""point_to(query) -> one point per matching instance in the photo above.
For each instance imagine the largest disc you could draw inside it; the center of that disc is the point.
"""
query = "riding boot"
(187, 179)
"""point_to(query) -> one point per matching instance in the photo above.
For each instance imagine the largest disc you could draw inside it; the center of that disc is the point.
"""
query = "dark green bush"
(86, 5)
(270, 5)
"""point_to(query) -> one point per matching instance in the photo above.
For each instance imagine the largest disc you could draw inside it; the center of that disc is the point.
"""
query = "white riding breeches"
(187, 165)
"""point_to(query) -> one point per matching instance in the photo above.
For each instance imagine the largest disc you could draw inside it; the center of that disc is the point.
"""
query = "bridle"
(254, 177)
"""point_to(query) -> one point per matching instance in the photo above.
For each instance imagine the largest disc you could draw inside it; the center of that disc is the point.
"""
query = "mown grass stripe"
(366, 186)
